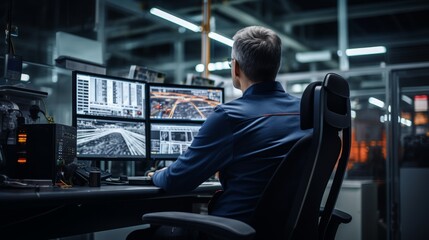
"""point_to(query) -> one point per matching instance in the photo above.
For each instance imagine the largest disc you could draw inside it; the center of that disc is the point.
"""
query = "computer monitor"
(169, 140)
(146, 74)
(110, 117)
(99, 95)
(181, 102)
(110, 139)
(202, 81)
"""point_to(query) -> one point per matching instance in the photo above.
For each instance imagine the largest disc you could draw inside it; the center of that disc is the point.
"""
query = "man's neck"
(245, 84)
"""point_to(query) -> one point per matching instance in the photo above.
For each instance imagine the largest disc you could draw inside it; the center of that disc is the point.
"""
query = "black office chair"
(291, 205)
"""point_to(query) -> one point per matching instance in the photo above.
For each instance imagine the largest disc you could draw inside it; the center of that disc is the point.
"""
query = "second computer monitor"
(181, 102)
(176, 113)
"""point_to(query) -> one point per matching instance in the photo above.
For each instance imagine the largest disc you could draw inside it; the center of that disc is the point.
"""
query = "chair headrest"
(337, 92)
(337, 85)
(337, 108)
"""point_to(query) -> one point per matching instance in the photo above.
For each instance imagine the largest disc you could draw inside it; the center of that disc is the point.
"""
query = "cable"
(44, 104)
(50, 119)
(34, 114)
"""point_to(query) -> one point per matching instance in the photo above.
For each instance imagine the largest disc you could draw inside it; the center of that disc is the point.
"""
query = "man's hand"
(150, 174)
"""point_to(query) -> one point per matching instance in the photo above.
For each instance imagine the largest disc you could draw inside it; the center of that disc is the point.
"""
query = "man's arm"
(208, 153)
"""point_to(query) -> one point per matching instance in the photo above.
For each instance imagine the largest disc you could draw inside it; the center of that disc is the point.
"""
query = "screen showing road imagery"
(107, 96)
(184, 103)
(110, 139)
(171, 140)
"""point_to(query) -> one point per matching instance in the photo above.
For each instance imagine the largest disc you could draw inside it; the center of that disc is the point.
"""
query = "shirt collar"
(262, 87)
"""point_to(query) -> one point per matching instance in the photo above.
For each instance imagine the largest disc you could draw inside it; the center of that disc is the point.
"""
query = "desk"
(51, 212)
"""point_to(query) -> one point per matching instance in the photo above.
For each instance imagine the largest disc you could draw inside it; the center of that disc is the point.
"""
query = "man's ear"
(237, 69)
(236, 75)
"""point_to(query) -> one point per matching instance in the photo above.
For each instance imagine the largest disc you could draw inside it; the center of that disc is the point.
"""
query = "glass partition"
(409, 151)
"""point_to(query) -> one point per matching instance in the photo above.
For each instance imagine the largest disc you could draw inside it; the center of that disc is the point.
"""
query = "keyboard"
(140, 180)
(145, 180)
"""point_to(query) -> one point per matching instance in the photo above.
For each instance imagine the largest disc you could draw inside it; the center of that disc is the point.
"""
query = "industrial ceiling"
(133, 36)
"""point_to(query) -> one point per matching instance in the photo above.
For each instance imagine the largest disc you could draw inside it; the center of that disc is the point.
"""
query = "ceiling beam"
(249, 19)
(387, 40)
(367, 10)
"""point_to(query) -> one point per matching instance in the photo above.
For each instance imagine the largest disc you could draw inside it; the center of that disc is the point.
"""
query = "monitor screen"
(169, 140)
(110, 138)
(181, 102)
(99, 95)
(109, 114)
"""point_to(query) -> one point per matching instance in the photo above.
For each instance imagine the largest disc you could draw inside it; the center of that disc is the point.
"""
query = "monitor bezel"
(144, 120)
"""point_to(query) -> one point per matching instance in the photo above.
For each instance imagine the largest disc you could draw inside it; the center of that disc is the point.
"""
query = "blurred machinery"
(10, 115)
(15, 105)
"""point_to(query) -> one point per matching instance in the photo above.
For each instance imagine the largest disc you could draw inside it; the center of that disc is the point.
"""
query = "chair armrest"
(218, 226)
(340, 216)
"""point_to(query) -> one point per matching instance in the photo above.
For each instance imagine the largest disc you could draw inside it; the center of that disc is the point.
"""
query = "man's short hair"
(258, 52)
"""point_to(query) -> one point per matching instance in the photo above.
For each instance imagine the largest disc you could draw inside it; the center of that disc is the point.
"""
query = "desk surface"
(52, 212)
(86, 194)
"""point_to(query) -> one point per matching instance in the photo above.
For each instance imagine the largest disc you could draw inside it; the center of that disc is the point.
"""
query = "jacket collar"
(264, 87)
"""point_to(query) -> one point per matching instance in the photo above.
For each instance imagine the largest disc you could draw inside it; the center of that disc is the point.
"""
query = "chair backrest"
(289, 207)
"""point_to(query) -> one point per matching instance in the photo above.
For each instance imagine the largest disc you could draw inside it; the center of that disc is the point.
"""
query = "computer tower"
(41, 151)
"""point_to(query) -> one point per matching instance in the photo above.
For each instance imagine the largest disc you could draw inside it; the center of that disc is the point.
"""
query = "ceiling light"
(407, 99)
(199, 67)
(220, 38)
(213, 66)
(25, 77)
(376, 102)
(174, 19)
(296, 88)
(316, 56)
(169, 17)
(406, 122)
(365, 51)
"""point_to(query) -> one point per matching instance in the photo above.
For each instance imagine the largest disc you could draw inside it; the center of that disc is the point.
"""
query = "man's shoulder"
(230, 109)
(230, 105)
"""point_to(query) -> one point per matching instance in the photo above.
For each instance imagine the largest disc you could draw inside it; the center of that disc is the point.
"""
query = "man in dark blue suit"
(243, 140)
